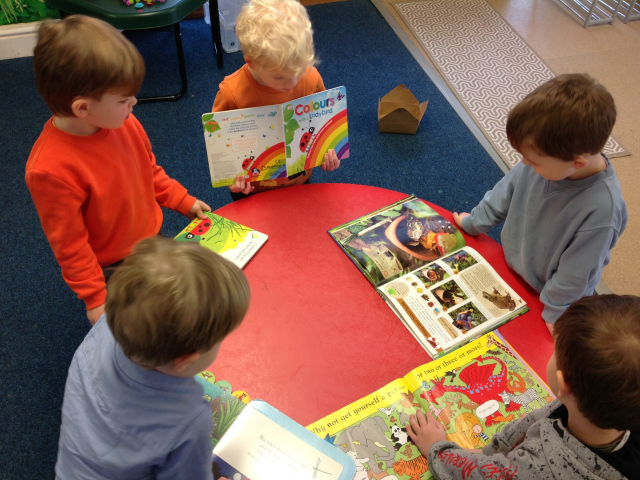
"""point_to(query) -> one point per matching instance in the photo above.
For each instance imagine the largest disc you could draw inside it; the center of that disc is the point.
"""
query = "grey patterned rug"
(483, 60)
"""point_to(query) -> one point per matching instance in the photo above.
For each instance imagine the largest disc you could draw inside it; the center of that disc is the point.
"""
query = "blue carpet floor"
(41, 321)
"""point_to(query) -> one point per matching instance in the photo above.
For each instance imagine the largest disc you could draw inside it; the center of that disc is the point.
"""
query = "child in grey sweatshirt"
(562, 207)
(592, 430)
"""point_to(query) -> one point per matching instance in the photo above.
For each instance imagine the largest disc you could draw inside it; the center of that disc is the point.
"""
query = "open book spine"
(473, 392)
(452, 301)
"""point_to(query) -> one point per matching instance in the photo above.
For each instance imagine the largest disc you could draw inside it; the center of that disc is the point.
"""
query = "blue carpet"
(42, 322)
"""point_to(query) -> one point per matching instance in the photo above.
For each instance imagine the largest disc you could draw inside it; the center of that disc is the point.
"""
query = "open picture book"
(227, 238)
(443, 291)
(275, 142)
(474, 392)
(253, 440)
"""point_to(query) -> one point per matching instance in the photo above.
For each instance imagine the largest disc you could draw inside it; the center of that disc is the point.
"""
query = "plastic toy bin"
(228, 11)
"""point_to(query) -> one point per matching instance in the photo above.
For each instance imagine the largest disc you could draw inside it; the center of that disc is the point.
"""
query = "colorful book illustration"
(264, 444)
(473, 392)
(444, 292)
(275, 142)
(233, 241)
(226, 404)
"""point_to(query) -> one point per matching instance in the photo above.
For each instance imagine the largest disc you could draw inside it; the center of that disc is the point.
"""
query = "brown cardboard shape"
(400, 112)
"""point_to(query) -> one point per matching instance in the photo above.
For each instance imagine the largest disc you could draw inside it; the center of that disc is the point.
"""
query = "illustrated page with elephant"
(474, 392)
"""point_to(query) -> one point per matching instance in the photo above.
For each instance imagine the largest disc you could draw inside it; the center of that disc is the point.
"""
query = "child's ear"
(579, 162)
(564, 389)
(80, 107)
(180, 363)
(249, 63)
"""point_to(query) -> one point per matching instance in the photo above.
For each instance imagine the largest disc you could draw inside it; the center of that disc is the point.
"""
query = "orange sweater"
(241, 90)
(97, 196)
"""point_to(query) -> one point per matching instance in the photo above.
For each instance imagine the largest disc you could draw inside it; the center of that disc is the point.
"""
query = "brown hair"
(84, 56)
(170, 299)
(567, 116)
(598, 351)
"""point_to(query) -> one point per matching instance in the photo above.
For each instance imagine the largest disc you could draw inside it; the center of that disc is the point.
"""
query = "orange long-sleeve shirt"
(96, 197)
(241, 90)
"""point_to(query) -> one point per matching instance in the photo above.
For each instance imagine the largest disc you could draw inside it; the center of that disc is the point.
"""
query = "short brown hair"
(170, 299)
(598, 351)
(84, 56)
(567, 116)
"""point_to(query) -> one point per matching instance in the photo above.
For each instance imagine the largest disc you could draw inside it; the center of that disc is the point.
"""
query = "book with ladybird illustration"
(445, 293)
(233, 241)
(275, 142)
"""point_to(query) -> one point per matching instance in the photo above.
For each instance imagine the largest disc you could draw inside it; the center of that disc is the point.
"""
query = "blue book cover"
(265, 444)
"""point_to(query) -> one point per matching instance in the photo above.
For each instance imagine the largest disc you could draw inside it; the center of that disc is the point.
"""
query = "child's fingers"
(411, 433)
(331, 161)
(205, 207)
(422, 420)
(414, 423)
(248, 188)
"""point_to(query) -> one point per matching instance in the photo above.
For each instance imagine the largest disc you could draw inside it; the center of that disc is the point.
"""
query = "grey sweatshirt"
(547, 452)
(556, 235)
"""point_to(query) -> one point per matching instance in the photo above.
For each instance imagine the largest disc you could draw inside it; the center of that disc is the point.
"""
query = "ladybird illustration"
(304, 141)
(247, 162)
(212, 126)
(200, 228)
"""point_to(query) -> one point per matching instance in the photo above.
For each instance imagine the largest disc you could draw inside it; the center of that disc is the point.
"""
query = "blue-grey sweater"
(557, 235)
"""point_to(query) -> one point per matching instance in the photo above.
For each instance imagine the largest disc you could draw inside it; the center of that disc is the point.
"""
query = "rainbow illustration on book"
(269, 165)
(314, 125)
(272, 143)
(333, 135)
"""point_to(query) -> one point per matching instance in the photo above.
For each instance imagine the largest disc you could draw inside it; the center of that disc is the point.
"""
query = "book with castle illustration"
(443, 291)
(473, 392)
(233, 241)
(275, 142)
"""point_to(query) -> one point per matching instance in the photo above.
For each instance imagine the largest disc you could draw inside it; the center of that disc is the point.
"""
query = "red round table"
(317, 335)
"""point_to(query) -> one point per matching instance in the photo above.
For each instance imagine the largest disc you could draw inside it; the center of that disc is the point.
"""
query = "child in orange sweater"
(277, 41)
(92, 174)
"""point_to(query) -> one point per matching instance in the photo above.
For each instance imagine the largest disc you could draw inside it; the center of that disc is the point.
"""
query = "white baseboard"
(18, 40)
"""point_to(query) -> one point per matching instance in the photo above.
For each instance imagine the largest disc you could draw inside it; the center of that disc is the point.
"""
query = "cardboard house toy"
(400, 112)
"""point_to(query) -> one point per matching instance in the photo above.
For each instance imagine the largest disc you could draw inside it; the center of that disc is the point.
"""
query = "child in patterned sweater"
(592, 430)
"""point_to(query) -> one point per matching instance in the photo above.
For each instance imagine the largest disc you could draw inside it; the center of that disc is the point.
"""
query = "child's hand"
(198, 209)
(331, 161)
(425, 432)
(95, 313)
(457, 217)
(242, 186)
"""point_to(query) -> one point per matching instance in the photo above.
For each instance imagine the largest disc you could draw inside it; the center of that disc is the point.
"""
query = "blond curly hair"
(276, 35)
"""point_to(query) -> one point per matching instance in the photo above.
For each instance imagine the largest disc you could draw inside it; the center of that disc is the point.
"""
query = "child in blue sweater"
(562, 206)
(132, 408)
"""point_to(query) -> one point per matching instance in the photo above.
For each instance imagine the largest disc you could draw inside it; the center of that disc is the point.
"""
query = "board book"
(474, 392)
(253, 440)
(444, 292)
(275, 142)
(227, 238)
